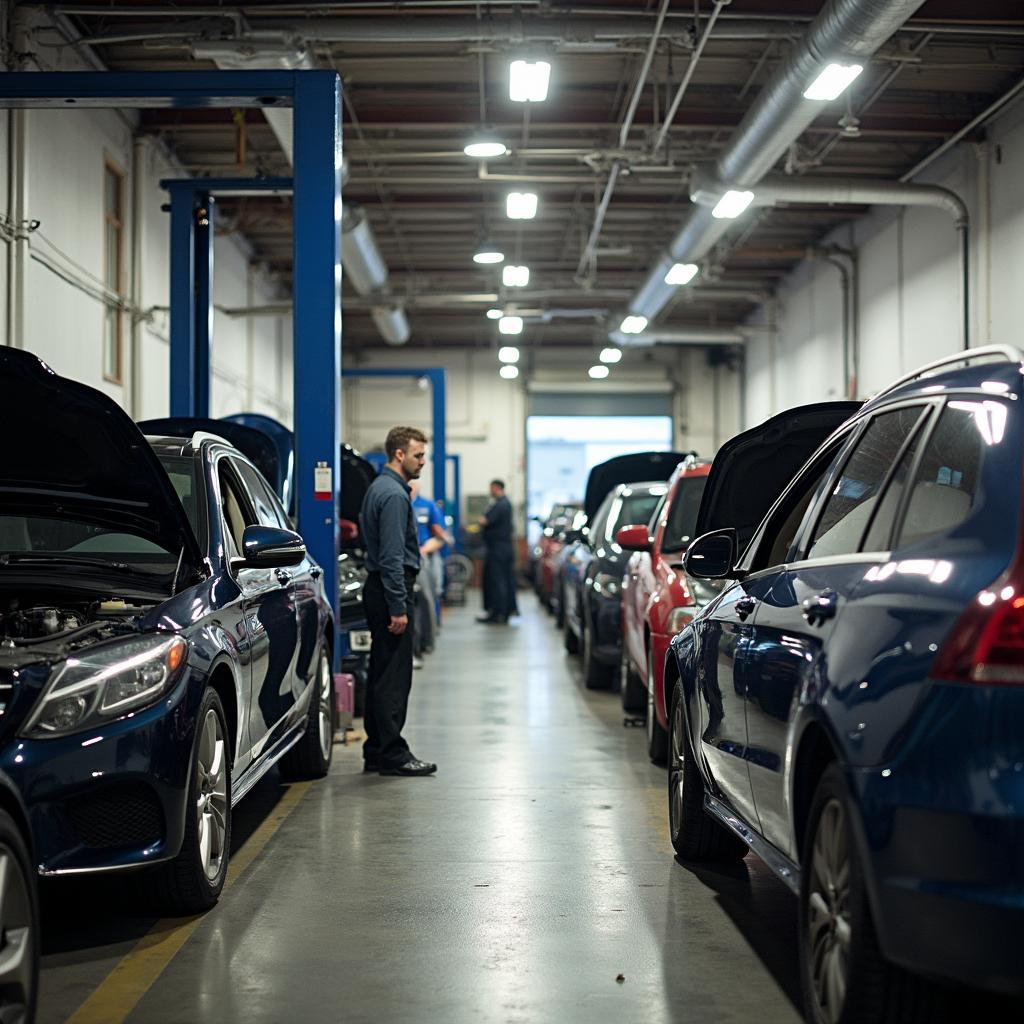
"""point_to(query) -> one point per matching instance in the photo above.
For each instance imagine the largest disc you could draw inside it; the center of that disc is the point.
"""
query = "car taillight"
(987, 643)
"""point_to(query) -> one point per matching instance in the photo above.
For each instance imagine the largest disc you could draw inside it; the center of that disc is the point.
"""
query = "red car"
(552, 540)
(659, 599)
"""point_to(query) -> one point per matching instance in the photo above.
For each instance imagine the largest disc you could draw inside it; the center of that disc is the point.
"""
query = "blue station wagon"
(851, 707)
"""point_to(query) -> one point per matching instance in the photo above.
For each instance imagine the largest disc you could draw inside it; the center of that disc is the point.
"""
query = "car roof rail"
(992, 353)
(204, 435)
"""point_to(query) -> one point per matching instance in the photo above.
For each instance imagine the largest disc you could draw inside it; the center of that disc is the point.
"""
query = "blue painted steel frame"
(456, 503)
(439, 456)
(316, 99)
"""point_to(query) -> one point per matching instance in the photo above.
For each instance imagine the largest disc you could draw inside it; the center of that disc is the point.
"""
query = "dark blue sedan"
(164, 638)
(851, 707)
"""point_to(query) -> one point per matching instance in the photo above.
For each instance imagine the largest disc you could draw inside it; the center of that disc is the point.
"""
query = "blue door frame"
(315, 97)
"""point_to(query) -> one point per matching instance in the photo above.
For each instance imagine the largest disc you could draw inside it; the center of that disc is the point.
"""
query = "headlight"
(106, 683)
(607, 585)
(680, 619)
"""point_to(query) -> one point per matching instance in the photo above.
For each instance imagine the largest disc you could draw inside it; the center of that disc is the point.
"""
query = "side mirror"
(270, 547)
(633, 538)
(713, 556)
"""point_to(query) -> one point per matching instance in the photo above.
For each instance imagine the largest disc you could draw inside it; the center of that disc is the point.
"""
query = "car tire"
(695, 835)
(595, 675)
(569, 638)
(310, 758)
(192, 881)
(843, 975)
(631, 687)
(657, 737)
(19, 925)
(558, 607)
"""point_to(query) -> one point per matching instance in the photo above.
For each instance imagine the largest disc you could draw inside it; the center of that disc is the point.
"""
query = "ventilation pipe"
(360, 255)
(680, 336)
(845, 28)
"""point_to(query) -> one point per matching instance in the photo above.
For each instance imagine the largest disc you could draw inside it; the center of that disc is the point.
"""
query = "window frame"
(221, 463)
(118, 223)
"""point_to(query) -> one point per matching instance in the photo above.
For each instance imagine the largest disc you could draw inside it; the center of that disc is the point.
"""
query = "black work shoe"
(371, 766)
(486, 618)
(413, 767)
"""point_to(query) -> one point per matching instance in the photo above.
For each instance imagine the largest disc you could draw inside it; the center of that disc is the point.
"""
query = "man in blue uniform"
(392, 561)
(500, 560)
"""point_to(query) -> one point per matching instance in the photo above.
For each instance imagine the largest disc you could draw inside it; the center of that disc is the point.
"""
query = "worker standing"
(393, 562)
(500, 559)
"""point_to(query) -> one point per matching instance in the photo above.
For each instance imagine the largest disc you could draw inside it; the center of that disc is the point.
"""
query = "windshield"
(182, 471)
(682, 517)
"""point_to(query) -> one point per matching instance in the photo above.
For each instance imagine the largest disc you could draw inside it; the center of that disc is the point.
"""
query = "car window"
(633, 509)
(235, 510)
(946, 481)
(596, 529)
(682, 517)
(266, 509)
(856, 492)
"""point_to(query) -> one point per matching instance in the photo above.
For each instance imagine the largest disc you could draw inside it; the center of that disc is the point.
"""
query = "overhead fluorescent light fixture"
(599, 372)
(833, 82)
(521, 205)
(681, 273)
(495, 314)
(633, 324)
(528, 81)
(485, 147)
(509, 372)
(508, 354)
(611, 355)
(515, 277)
(732, 204)
(510, 325)
(487, 255)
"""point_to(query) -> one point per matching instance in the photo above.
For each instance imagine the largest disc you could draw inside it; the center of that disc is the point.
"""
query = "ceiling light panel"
(833, 82)
(515, 277)
(611, 355)
(528, 81)
(599, 372)
(732, 204)
(509, 372)
(633, 324)
(521, 205)
(510, 325)
(508, 354)
(681, 273)
(486, 256)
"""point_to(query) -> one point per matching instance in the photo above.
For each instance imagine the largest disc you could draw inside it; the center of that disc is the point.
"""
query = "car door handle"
(745, 606)
(316, 572)
(820, 608)
(284, 577)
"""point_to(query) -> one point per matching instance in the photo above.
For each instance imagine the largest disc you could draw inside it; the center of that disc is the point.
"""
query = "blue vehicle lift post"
(455, 461)
(316, 99)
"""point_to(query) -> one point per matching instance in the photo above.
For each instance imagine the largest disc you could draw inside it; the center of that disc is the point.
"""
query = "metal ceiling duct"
(680, 336)
(844, 29)
(360, 255)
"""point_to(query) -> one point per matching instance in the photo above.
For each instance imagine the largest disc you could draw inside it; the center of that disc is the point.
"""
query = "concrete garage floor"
(515, 886)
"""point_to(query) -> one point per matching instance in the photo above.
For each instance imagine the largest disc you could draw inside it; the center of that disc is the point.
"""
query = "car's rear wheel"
(569, 638)
(19, 926)
(558, 607)
(695, 835)
(193, 881)
(845, 978)
(596, 676)
(631, 687)
(657, 737)
(310, 758)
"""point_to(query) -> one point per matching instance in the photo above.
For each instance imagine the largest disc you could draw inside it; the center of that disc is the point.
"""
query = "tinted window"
(880, 531)
(946, 482)
(266, 507)
(682, 517)
(853, 499)
(182, 473)
(235, 511)
(633, 510)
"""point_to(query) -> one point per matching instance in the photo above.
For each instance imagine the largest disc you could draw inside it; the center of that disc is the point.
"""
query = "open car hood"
(357, 474)
(259, 449)
(76, 453)
(626, 469)
(752, 469)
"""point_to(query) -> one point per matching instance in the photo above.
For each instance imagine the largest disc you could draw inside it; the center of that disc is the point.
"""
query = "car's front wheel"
(695, 835)
(19, 926)
(192, 882)
(845, 978)
(310, 758)
(657, 737)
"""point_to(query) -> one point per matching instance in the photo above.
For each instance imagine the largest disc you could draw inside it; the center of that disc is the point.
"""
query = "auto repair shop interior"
(724, 293)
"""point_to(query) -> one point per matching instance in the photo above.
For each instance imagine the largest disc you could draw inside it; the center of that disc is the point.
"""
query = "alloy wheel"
(212, 803)
(676, 769)
(325, 696)
(828, 912)
(16, 940)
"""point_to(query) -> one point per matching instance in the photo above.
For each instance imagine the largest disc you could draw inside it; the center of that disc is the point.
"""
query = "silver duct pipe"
(680, 336)
(368, 273)
(392, 324)
(844, 29)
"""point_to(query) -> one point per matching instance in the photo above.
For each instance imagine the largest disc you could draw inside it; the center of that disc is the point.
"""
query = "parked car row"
(827, 628)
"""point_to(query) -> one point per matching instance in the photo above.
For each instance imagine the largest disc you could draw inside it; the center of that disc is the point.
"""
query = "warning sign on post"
(323, 491)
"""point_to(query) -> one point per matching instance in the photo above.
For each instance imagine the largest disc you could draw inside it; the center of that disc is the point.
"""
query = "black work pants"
(500, 580)
(387, 690)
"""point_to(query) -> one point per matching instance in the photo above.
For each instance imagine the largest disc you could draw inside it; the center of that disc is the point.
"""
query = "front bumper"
(114, 796)
(942, 829)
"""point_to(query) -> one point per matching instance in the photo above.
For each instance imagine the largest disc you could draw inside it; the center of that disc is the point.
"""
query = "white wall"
(909, 301)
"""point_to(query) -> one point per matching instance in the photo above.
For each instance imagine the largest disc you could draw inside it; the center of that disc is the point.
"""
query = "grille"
(120, 816)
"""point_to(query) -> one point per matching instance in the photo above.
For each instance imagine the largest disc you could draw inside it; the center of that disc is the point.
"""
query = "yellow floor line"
(120, 992)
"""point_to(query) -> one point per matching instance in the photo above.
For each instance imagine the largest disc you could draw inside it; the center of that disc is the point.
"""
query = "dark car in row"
(554, 528)
(623, 490)
(165, 638)
(851, 706)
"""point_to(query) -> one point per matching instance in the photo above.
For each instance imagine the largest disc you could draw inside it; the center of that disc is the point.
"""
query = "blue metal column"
(204, 304)
(455, 504)
(183, 303)
(317, 316)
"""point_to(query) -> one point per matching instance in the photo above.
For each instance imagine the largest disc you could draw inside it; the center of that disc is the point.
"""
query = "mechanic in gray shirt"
(392, 561)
